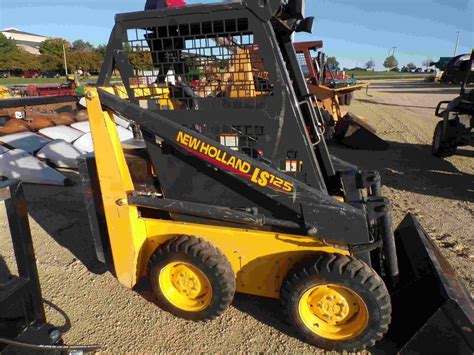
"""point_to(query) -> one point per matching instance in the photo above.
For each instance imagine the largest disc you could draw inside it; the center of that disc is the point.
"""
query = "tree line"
(80, 55)
(390, 63)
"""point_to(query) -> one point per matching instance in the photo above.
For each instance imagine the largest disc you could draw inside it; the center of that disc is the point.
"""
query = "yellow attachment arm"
(260, 259)
(125, 229)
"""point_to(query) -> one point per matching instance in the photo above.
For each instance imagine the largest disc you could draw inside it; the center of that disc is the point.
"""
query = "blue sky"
(353, 30)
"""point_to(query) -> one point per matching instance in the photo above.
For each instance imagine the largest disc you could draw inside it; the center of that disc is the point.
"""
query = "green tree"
(411, 66)
(19, 61)
(51, 62)
(54, 46)
(332, 63)
(85, 60)
(100, 50)
(370, 65)
(81, 46)
(7, 45)
(390, 62)
(141, 60)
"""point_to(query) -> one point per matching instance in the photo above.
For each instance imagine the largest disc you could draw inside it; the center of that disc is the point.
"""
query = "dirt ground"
(440, 192)
(91, 307)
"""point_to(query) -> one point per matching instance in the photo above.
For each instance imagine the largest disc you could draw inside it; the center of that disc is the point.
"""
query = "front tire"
(440, 147)
(348, 99)
(191, 278)
(337, 303)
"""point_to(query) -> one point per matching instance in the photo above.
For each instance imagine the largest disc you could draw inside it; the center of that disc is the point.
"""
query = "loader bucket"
(352, 131)
(432, 311)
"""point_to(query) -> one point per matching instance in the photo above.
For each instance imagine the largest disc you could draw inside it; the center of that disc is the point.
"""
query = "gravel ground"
(440, 192)
(91, 307)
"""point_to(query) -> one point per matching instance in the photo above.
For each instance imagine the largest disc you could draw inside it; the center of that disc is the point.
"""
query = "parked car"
(31, 74)
(51, 74)
(4, 74)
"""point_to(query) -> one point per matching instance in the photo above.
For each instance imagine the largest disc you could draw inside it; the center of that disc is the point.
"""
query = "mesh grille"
(301, 58)
(179, 66)
(302, 62)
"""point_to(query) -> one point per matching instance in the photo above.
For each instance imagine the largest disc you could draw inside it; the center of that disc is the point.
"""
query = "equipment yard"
(90, 305)
(439, 191)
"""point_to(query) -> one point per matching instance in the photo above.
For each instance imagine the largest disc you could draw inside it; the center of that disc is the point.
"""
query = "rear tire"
(348, 99)
(191, 278)
(337, 303)
(440, 148)
(342, 100)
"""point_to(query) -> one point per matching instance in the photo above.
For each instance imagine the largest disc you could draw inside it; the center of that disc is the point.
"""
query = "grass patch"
(26, 81)
(372, 75)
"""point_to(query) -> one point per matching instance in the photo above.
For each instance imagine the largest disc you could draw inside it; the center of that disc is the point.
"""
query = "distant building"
(24, 40)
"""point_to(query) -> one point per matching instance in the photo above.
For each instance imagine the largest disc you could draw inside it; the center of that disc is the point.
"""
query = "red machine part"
(175, 3)
(50, 90)
(337, 76)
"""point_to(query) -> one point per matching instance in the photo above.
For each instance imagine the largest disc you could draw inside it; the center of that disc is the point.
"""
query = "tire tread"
(202, 252)
(343, 267)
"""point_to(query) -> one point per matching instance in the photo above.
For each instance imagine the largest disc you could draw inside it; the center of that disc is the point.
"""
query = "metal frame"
(35, 101)
(319, 79)
(136, 229)
(463, 104)
(283, 108)
(304, 48)
(94, 207)
(22, 315)
(306, 206)
(286, 114)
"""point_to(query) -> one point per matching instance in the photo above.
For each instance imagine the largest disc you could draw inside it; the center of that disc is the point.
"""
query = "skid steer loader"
(228, 186)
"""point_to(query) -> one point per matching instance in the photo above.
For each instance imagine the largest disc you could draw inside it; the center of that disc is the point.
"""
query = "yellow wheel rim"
(333, 312)
(185, 286)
